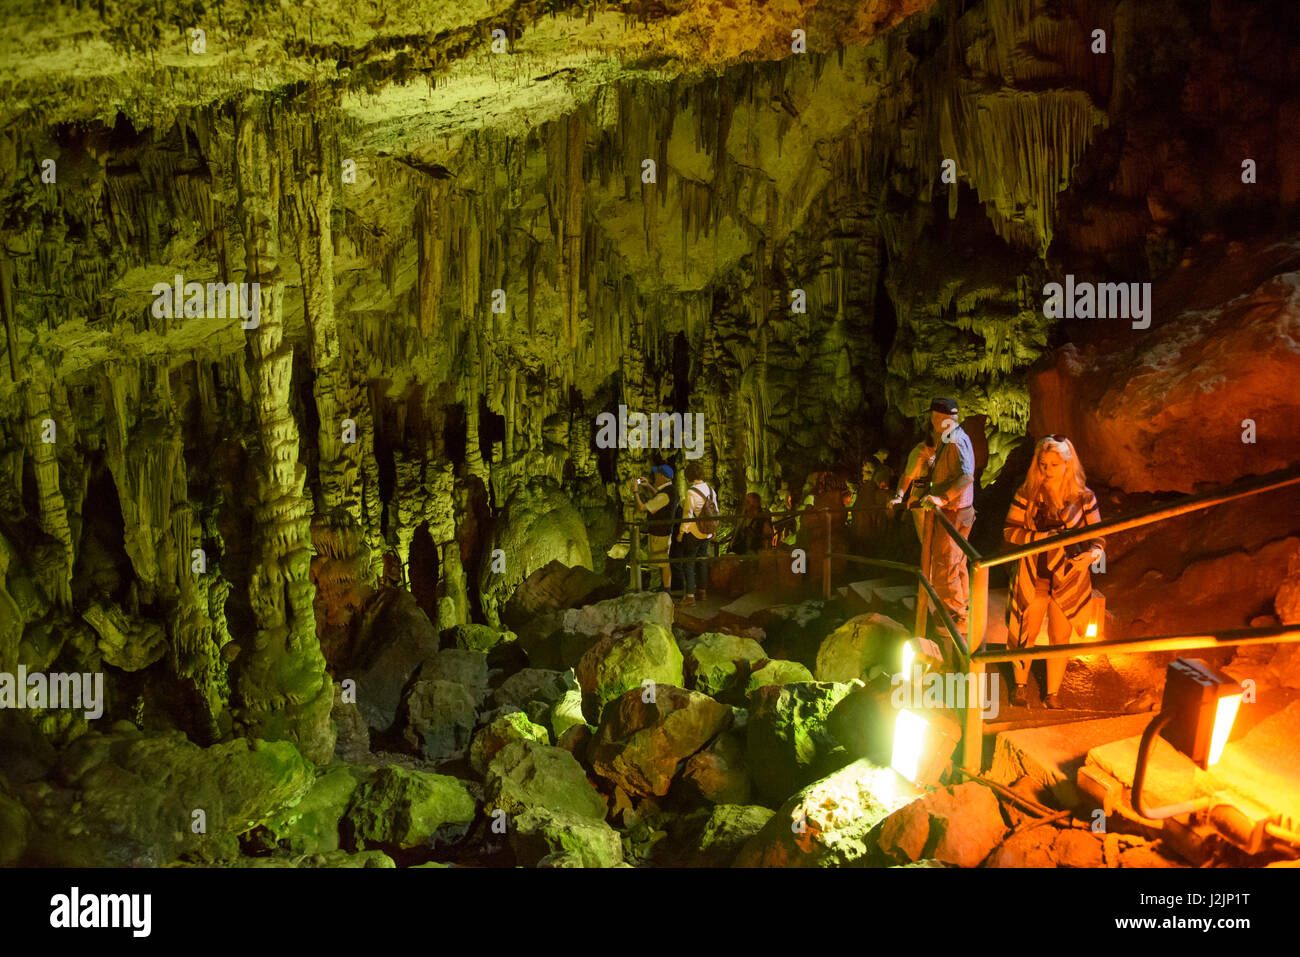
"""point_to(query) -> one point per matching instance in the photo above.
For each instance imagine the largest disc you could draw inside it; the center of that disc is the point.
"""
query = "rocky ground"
(600, 735)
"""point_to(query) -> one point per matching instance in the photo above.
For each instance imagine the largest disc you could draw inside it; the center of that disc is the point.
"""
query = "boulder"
(1049, 846)
(719, 664)
(555, 587)
(788, 742)
(576, 740)
(778, 671)
(640, 744)
(401, 808)
(525, 774)
(615, 614)
(1161, 410)
(852, 649)
(1076, 847)
(492, 737)
(958, 825)
(566, 713)
(440, 718)
(539, 525)
(712, 837)
(1287, 600)
(828, 823)
(128, 798)
(393, 638)
(536, 691)
(312, 825)
(545, 838)
(481, 638)
(718, 773)
(620, 662)
(469, 669)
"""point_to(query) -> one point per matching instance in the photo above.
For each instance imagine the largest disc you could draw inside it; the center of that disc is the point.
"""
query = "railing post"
(973, 739)
(635, 537)
(826, 559)
(979, 607)
(922, 596)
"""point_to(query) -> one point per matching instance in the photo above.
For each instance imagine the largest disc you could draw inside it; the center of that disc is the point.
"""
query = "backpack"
(706, 519)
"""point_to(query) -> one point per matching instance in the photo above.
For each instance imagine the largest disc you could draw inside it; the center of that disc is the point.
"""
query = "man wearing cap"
(952, 491)
(662, 507)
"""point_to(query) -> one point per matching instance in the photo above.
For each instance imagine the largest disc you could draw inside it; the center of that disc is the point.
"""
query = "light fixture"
(1196, 715)
(1201, 702)
(923, 745)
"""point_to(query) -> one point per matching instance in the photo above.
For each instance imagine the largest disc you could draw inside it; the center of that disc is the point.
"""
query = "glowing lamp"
(923, 745)
(1200, 703)
(1096, 617)
(920, 651)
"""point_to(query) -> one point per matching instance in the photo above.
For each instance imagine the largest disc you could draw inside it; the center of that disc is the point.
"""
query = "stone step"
(741, 613)
(1051, 755)
(878, 595)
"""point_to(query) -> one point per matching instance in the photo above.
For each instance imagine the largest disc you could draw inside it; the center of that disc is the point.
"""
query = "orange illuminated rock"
(1204, 396)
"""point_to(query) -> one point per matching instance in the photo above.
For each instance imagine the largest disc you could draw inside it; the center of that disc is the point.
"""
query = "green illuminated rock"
(312, 825)
(527, 775)
(567, 713)
(546, 838)
(479, 637)
(713, 837)
(535, 691)
(130, 798)
(494, 736)
(788, 742)
(540, 526)
(778, 671)
(620, 662)
(858, 645)
(720, 664)
(404, 809)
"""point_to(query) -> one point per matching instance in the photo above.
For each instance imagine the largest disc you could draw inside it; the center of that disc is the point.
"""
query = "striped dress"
(1050, 573)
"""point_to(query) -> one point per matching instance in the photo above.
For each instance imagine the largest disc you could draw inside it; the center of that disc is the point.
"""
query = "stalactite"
(575, 146)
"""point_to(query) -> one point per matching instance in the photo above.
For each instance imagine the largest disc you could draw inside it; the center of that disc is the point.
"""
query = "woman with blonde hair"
(1057, 583)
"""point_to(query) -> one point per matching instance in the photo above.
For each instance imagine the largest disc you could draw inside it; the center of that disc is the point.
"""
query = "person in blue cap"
(657, 495)
(952, 491)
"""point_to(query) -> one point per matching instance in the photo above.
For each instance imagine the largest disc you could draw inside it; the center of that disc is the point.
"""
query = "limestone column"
(281, 687)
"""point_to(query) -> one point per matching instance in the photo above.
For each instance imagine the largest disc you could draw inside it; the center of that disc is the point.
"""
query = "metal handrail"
(967, 548)
(921, 577)
(1156, 513)
(767, 513)
(1269, 635)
